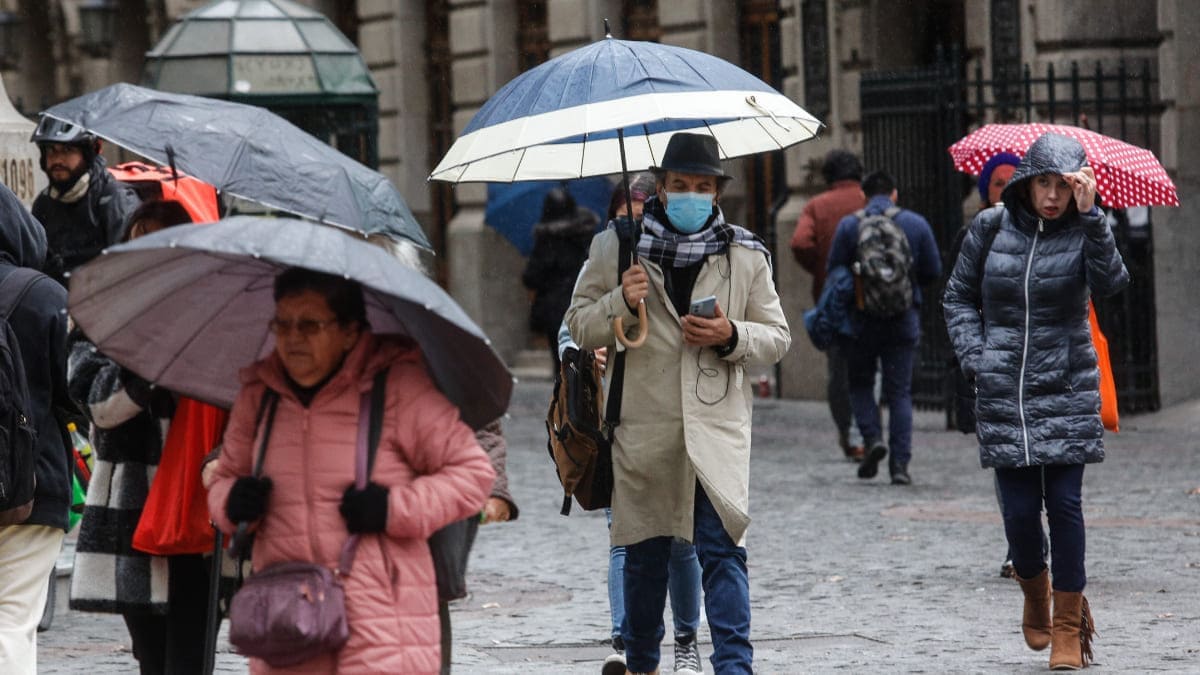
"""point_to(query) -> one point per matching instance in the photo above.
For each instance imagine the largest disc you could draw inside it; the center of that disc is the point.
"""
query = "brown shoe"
(1035, 621)
(1071, 637)
(854, 453)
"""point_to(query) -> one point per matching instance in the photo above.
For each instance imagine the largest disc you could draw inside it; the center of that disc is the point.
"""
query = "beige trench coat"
(685, 414)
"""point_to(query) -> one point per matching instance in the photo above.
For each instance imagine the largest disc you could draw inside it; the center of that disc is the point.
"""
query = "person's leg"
(860, 377)
(837, 391)
(1064, 510)
(645, 592)
(1006, 567)
(616, 584)
(683, 585)
(148, 633)
(187, 594)
(447, 638)
(552, 339)
(27, 555)
(726, 590)
(897, 362)
(1021, 494)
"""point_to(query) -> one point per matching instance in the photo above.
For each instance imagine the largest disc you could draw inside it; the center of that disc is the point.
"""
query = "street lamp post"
(10, 51)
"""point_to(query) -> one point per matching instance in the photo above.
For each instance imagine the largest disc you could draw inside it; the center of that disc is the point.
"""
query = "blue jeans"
(683, 586)
(726, 595)
(891, 344)
(1059, 487)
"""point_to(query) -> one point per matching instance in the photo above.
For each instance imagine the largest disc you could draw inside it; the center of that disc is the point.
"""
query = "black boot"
(870, 464)
(899, 471)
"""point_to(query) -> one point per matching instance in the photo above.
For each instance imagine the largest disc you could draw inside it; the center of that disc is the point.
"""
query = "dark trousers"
(174, 644)
(864, 356)
(726, 595)
(1024, 491)
(837, 389)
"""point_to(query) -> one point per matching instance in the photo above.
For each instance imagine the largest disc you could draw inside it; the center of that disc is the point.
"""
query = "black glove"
(365, 510)
(248, 499)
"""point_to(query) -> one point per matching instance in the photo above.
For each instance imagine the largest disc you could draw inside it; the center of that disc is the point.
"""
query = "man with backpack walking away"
(35, 457)
(892, 253)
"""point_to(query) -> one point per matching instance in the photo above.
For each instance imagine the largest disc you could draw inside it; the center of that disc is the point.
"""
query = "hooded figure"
(1018, 317)
(84, 208)
(39, 323)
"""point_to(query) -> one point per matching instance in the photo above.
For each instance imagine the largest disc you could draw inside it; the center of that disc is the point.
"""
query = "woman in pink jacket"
(429, 471)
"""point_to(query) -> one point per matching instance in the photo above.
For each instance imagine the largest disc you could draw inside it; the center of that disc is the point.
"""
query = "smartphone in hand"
(705, 307)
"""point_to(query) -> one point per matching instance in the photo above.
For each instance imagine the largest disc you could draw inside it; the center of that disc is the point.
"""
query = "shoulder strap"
(375, 423)
(989, 236)
(266, 406)
(21, 279)
(370, 427)
(616, 383)
(892, 211)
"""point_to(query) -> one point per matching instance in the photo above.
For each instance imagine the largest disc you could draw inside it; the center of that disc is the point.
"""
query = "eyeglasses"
(306, 327)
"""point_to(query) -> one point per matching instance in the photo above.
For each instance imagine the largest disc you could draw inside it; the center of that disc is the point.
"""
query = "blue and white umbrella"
(569, 117)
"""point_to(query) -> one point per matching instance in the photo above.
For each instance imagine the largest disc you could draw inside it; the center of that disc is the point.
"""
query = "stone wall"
(1176, 237)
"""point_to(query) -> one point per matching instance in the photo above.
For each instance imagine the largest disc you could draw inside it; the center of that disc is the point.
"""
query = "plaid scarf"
(668, 248)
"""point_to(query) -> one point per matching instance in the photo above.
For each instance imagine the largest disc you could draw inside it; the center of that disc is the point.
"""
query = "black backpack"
(17, 433)
(883, 265)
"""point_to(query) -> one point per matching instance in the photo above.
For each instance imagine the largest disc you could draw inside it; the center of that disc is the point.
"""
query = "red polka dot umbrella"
(1126, 175)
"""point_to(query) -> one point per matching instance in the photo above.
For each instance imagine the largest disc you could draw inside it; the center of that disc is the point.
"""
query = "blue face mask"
(689, 211)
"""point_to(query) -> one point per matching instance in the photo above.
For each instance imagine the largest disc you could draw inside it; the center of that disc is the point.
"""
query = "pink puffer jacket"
(427, 456)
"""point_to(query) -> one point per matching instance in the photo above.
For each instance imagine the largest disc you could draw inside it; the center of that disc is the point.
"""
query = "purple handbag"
(290, 612)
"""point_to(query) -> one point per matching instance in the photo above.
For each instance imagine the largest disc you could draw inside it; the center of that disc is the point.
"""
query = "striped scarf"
(668, 248)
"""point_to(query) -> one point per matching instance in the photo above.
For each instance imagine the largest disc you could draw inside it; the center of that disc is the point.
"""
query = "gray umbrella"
(248, 152)
(187, 307)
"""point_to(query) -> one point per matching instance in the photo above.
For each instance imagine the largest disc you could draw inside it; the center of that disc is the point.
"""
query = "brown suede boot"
(1071, 642)
(1035, 621)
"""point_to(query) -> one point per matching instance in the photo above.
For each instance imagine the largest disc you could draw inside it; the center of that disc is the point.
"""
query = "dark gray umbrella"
(187, 307)
(248, 152)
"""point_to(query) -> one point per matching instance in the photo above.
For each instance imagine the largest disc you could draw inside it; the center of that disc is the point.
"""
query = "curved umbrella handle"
(643, 328)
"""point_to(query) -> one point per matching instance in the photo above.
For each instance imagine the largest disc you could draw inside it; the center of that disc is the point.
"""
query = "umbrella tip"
(607, 30)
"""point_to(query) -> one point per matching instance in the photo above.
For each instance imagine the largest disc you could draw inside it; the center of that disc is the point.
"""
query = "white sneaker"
(687, 657)
(614, 664)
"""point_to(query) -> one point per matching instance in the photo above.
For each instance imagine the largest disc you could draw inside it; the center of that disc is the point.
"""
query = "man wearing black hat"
(84, 208)
(681, 454)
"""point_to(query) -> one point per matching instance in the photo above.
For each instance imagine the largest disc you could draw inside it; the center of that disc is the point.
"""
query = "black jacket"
(40, 324)
(559, 249)
(77, 232)
(1030, 349)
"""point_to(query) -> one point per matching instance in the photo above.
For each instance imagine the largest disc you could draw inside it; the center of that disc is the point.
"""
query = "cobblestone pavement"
(846, 575)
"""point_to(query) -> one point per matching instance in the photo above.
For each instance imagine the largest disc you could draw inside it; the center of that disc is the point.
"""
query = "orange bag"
(175, 519)
(1108, 386)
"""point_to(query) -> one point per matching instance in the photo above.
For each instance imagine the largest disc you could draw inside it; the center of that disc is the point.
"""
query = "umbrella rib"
(118, 282)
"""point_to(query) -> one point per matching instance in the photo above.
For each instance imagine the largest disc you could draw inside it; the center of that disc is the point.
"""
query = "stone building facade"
(437, 61)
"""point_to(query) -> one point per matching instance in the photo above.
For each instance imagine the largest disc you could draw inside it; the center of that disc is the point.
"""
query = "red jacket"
(429, 460)
(819, 220)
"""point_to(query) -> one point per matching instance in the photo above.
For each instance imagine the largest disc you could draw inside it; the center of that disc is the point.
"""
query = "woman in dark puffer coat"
(1019, 323)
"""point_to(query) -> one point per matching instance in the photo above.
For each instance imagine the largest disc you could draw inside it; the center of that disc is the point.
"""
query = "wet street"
(846, 575)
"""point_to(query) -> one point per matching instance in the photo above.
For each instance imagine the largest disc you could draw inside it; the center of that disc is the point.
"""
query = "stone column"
(484, 268)
(1176, 237)
(18, 157)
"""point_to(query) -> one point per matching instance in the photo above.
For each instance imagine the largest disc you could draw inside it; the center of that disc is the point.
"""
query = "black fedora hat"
(692, 153)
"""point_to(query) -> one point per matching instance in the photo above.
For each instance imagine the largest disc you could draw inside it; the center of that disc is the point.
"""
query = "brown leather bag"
(577, 443)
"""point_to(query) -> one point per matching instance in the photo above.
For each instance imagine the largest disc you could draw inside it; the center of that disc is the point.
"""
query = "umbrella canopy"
(560, 120)
(187, 307)
(1126, 175)
(513, 209)
(248, 152)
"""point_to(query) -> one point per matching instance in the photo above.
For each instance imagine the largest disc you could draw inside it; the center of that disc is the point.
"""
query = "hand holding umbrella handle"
(643, 328)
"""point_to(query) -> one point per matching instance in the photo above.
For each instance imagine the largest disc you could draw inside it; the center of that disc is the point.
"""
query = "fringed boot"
(1071, 643)
(1035, 621)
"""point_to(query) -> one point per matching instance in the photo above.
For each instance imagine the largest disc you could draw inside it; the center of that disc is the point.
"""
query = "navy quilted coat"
(1030, 350)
